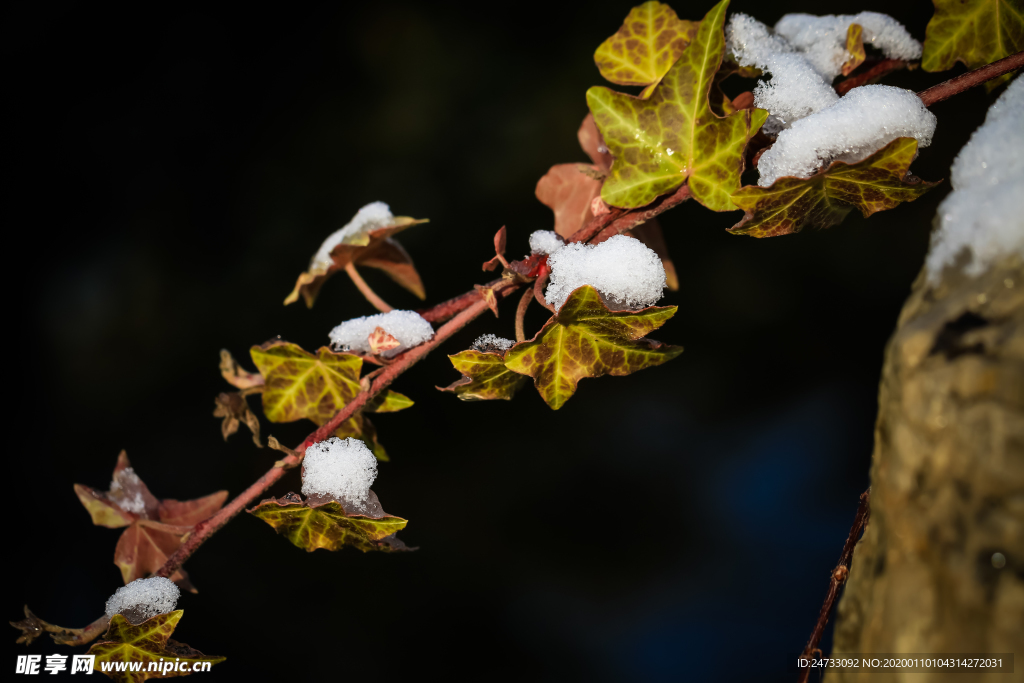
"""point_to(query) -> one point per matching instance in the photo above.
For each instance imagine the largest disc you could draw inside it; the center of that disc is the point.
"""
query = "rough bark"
(947, 482)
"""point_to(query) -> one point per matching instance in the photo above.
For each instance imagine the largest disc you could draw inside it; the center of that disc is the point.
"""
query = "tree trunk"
(940, 568)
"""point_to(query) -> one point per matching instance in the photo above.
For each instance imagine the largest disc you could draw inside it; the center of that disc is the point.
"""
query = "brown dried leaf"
(568, 193)
(235, 410)
(372, 248)
(155, 528)
(490, 297)
(593, 144)
(235, 374)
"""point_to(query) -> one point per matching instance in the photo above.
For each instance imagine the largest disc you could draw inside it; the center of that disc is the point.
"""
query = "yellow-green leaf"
(299, 384)
(854, 48)
(484, 376)
(373, 248)
(877, 183)
(649, 41)
(975, 32)
(585, 339)
(148, 643)
(328, 525)
(674, 136)
(388, 402)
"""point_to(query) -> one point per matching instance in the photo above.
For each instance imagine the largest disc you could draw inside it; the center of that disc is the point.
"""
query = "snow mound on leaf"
(126, 491)
(984, 214)
(342, 469)
(545, 242)
(490, 342)
(796, 88)
(371, 217)
(804, 54)
(144, 598)
(408, 327)
(823, 39)
(626, 273)
(860, 123)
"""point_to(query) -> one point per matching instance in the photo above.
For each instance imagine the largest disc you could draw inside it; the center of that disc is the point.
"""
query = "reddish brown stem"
(207, 528)
(447, 309)
(524, 304)
(637, 216)
(595, 226)
(955, 86)
(366, 290)
(839, 576)
(538, 287)
(879, 70)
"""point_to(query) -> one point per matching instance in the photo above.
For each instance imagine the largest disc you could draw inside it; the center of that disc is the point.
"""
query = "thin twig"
(448, 309)
(366, 290)
(955, 86)
(595, 226)
(402, 362)
(839, 576)
(538, 287)
(524, 304)
(878, 70)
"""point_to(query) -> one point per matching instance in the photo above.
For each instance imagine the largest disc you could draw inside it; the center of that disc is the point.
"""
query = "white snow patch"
(804, 54)
(545, 242)
(490, 342)
(860, 123)
(984, 213)
(823, 39)
(119, 491)
(340, 469)
(144, 598)
(626, 273)
(371, 217)
(796, 88)
(408, 327)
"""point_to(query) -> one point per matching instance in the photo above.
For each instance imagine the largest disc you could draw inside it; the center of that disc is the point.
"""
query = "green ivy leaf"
(675, 137)
(374, 249)
(879, 182)
(299, 384)
(647, 44)
(585, 339)
(975, 32)
(149, 642)
(484, 376)
(311, 525)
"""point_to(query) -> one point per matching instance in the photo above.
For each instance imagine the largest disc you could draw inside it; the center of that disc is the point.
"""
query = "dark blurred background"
(172, 170)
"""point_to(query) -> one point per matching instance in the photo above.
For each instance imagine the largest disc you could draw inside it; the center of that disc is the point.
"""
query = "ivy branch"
(459, 311)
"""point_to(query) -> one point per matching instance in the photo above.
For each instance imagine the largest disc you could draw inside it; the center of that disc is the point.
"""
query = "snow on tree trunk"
(940, 568)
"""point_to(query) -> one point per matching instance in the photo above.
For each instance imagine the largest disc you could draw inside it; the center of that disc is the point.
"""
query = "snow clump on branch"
(859, 124)
(371, 217)
(626, 273)
(984, 214)
(545, 242)
(342, 469)
(491, 342)
(804, 54)
(408, 327)
(144, 598)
